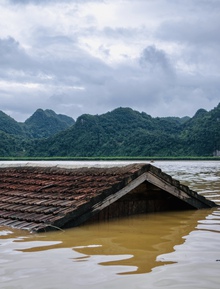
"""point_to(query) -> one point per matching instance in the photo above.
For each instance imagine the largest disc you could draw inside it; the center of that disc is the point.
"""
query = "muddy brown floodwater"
(161, 250)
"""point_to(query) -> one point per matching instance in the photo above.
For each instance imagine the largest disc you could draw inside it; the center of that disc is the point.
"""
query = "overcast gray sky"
(91, 56)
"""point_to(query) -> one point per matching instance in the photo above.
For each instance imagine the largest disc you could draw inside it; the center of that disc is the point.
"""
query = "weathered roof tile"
(38, 199)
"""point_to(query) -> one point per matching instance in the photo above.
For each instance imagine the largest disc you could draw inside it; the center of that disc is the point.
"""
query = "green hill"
(10, 145)
(10, 126)
(201, 134)
(42, 124)
(122, 132)
(16, 138)
(45, 123)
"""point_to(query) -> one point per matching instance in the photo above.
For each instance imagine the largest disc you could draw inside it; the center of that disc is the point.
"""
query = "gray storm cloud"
(161, 57)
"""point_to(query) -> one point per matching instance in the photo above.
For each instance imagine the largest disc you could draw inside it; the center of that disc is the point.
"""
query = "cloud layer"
(75, 57)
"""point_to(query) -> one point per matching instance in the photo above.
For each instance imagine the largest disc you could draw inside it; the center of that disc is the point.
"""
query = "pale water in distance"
(162, 250)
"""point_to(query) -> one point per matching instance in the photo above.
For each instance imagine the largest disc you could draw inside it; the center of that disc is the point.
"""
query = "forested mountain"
(10, 145)
(15, 137)
(125, 132)
(201, 134)
(121, 132)
(9, 125)
(44, 123)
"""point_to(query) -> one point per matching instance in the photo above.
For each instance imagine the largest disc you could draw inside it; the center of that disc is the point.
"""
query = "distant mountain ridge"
(42, 124)
(15, 136)
(118, 133)
(9, 125)
(45, 123)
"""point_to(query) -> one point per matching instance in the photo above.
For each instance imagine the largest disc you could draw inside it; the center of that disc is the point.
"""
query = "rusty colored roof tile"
(44, 198)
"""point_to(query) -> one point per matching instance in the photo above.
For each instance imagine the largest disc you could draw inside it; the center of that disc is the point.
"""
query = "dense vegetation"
(16, 139)
(121, 132)
(44, 123)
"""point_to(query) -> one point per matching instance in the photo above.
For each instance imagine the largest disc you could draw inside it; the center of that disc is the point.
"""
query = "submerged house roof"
(47, 198)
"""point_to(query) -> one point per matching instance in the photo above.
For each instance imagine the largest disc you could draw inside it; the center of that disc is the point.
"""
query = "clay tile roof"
(36, 198)
(45, 198)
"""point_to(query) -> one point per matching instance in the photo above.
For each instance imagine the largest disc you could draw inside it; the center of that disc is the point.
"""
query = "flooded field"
(161, 250)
